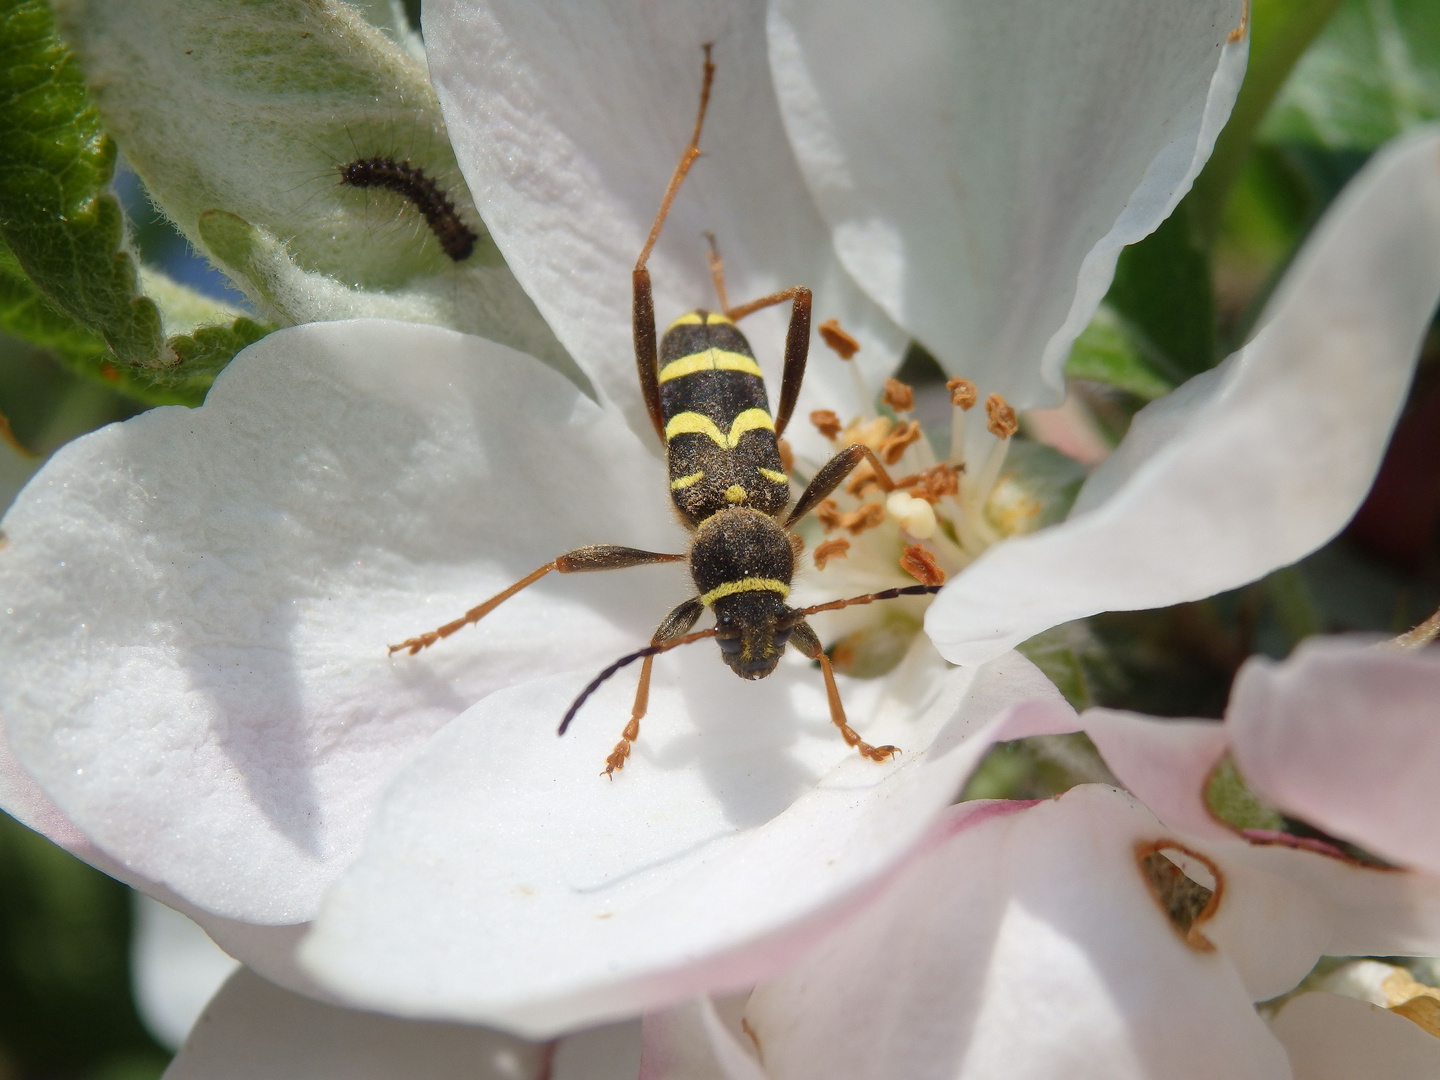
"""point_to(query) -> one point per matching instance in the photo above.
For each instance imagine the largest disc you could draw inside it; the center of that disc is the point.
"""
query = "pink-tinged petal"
(1345, 736)
(268, 950)
(983, 163)
(197, 602)
(1272, 929)
(507, 882)
(1023, 945)
(1164, 763)
(1254, 464)
(253, 1029)
(1329, 1037)
(1373, 912)
(568, 121)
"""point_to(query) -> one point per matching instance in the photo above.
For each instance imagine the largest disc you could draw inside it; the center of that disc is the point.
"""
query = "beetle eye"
(730, 646)
(782, 637)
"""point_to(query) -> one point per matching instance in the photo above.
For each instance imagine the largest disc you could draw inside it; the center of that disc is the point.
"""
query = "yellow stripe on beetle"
(778, 477)
(683, 482)
(709, 360)
(693, 423)
(749, 584)
(692, 318)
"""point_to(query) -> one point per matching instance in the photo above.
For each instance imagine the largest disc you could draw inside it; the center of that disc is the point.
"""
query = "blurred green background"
(1328, 83)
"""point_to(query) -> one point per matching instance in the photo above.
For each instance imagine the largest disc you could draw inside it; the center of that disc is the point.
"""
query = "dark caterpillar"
(429, 198)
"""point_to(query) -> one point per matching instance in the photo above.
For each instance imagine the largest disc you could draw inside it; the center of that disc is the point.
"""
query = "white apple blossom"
(196, 603)
(1027, 940)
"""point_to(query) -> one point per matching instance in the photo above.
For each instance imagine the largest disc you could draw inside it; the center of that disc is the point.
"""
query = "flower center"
(943, 514)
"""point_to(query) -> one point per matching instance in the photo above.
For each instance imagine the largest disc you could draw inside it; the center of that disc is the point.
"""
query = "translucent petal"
(1343, 735)
(254, 1029)
(1254, 464)
(982, 164)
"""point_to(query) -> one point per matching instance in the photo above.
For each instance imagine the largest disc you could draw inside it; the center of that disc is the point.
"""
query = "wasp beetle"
(706, 399)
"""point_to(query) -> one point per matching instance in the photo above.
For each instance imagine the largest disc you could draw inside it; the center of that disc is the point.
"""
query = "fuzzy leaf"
(250, 108)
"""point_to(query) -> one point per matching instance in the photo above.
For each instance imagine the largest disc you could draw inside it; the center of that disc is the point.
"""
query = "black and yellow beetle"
(706, 398)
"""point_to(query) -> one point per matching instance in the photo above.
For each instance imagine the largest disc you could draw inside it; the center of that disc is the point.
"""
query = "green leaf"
(1105, 352)
(1162, 290)
(1230, 800)
(1373, 73)
(64, 229)
(66, 280)
(26, 314)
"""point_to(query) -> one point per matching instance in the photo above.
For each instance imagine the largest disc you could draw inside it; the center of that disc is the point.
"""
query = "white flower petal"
(198, 602)
(1020, 944)
(1372, 912)
(1270, 928)
(1250, 466)
(1329, 1037)
(268, 950)
(568, 121)
(253, 1029)
(982, 164)
(175, 968)
(506, 882)
(1345, 737)
(1163, 763)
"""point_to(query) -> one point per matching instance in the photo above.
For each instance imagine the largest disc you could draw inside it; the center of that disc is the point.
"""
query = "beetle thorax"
(742, 563)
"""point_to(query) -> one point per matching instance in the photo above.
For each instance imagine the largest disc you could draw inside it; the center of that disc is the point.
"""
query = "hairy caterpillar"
(456, 238)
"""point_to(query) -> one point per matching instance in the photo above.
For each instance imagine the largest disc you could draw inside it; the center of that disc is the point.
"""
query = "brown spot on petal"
(963, 394)
(898, 396)
(896, 442)
(826, 422)
(830, 333)
(1240, 31)
(745, 1027)
(921, 565)
(1186, 903)
(1000, 417)
(831, 549)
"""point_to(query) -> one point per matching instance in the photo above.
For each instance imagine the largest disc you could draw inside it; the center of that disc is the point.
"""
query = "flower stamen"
(898, 396)
(963, 396)
(837, 548)
(826, 422)
(920, 564)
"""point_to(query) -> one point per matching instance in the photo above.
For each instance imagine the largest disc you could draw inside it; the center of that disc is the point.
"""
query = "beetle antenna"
(869, 598)
(649, 650)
